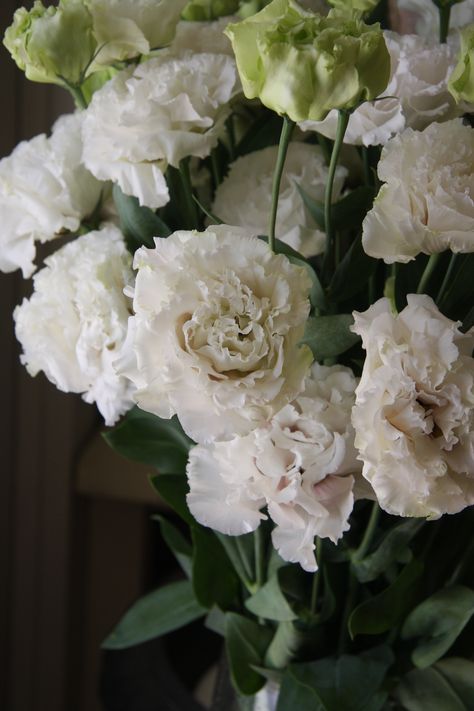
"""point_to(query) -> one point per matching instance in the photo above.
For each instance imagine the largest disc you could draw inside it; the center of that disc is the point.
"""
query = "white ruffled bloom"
(158, 113)
(427, 202)
(73, 325)
(44, 191)
(414, 412)
(417, 93)
(299, 464)
(244, 197)
(425, 15)
(127, 28)
(218, 318)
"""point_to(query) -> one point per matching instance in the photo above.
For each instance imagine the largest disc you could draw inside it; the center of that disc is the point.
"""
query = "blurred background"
(77, 543)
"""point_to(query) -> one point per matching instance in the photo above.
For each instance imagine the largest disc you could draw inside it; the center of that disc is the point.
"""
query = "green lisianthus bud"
(461, 81)
(52, 45)
(207, 10)
(303, 65)
(363, 6)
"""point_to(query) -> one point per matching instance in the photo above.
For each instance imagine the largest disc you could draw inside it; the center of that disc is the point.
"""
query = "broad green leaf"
(438, 621)
(392, 547)
(347, 213)
(297, 696)
(459, 296)
(215, 621)
(352, 273)
(177, 543)
(428, 690)
(329, 336)
(146, 438)
(284, 646)
(214, 579)
(246, 644)
(346, 683)
(270, 603)
(317, 296)
(387, 609)
(240, 550)
(156, 614)
(173, 489)
(139, 224)
(460, 674)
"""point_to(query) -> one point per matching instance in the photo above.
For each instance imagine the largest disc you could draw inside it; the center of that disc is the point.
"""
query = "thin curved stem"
(342, 121)
(317, 576)
(426, 276)
(444, 17)
(259, 557)
(285, 137)
(369, 532)
(447, 278)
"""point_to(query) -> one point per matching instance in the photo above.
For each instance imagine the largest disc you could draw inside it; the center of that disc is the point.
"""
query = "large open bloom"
(218, 318)
(164, 110)
(76, 320)
(427, 202)
(414, 412)
(299, 464)
(44, 191)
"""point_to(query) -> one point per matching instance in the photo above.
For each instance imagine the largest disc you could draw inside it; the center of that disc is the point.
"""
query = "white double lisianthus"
(74, 324)
(414, 411)
(424, 16)
(44, 192)
(427, 202)
(417, 93)
(216, 331)
(300, 465)
(244, 197)
(160, 112)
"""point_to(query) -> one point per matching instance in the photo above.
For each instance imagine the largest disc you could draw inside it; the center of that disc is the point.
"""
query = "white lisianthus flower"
(427, 202)
(218, 319)
(203, 36)
(417, 93)
(425, 15)
(245, 195)
(158, 113)
(299, 464)
(414, 412)
(44, 191)
(75, 322)
(127, 28)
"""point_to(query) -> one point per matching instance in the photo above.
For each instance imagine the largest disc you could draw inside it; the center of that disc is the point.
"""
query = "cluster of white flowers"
(209, 325)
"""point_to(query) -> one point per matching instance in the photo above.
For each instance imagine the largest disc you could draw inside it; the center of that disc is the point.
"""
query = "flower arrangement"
(264, 219)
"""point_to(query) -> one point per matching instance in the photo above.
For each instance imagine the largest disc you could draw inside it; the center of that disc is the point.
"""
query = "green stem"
(444, 16)
(259, 557)
(368, 177)
(369, 533)
(190, 205)
(317, 576)
(285, 137)
(425, 277)
(77, 95)
(447, 277)
(229, 124)
(216, 173)
(342, 121)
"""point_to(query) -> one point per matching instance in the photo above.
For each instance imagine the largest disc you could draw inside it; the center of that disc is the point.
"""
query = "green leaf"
(246, 644)
(317, 296)
(438, 621)
(214, 579)
(270, 603)
(460, 674)
(263, 132)
(173, 489)
(296, 696)
(347, 213)
(460, 293)
(240, 550)
(407, 278)
(146, 438)
(346, 683)
(284, 646)
(156, 614)
(177, 543)
(352, 273)
(392, 549)
(428, 690)
(139, 224)
(329, 336)
(387, 609)
(215, 621)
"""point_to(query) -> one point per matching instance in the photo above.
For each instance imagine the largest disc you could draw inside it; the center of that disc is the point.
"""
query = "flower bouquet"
(263, 218)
